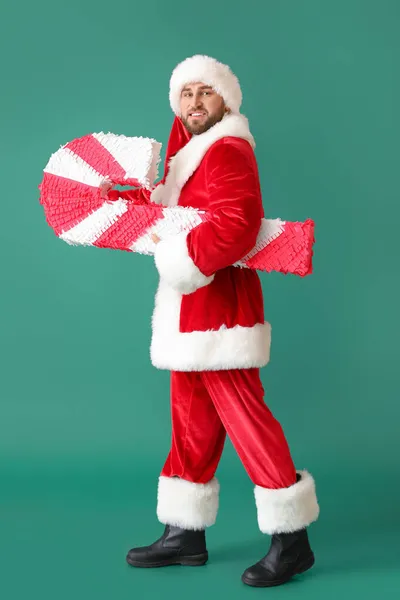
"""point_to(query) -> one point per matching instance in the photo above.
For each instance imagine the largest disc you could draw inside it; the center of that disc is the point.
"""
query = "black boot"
(289, 554)
(175, 547)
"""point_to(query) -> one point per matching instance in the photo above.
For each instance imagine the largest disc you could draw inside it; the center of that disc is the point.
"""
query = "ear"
(227, 110)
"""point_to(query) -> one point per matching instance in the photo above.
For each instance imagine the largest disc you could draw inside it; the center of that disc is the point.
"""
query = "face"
(201, 107)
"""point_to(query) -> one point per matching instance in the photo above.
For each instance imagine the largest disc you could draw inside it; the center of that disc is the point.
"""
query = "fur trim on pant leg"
(185, 504)
(287, 509)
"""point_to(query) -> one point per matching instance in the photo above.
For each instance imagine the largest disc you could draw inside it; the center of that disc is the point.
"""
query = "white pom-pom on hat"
(209, 71)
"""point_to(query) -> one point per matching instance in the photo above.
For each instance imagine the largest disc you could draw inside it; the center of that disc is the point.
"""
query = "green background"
(84, 423)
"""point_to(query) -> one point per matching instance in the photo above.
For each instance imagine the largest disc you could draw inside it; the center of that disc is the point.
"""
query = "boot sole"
(301, 568)
(197, 560)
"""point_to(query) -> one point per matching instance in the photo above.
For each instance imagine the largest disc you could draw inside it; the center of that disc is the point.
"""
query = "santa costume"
(209, 330)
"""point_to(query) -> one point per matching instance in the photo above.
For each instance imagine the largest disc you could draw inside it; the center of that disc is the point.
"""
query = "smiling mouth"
(197, 115)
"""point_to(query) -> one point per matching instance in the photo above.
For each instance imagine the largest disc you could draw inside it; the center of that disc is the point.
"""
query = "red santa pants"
(208, 405)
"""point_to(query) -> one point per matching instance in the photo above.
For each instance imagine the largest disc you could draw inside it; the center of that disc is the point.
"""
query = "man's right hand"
(105, 187)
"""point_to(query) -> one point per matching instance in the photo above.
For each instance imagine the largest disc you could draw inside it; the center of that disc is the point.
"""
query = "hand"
(155, 238)
(105, 187)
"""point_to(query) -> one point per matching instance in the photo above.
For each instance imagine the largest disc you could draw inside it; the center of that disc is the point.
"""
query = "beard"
(198, 128)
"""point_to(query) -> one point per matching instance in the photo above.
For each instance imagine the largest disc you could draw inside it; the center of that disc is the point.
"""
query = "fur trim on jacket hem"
(227, 348)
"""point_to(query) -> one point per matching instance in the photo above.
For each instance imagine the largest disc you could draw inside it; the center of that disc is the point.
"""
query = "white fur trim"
(287, 509)
(185, 162)
(185, 504)
(156, 194)
(200, 68)
(176, 267)
(234, 348)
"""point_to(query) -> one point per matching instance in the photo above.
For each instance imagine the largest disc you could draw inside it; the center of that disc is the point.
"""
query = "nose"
(197, 101)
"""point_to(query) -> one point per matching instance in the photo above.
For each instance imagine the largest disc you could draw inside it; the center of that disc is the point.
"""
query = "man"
(209, 331)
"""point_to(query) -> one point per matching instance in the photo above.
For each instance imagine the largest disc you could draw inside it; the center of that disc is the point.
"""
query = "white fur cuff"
(287, 509)
(185, 504)
(176, 267)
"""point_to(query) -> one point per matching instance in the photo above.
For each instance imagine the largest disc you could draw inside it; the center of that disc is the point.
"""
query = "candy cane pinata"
(70, 193)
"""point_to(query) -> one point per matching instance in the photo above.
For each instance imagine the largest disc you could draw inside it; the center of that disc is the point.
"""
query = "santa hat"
(209, 71)
(178, 138)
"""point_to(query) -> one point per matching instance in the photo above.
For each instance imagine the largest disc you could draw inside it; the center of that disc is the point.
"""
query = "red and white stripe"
(74, 208)
(70, 189)
(90, 229)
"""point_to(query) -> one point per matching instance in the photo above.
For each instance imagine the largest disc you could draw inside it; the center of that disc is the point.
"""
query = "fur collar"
(185, 162)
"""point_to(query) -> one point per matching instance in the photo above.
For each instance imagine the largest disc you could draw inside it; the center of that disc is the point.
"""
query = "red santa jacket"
(208, 313)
